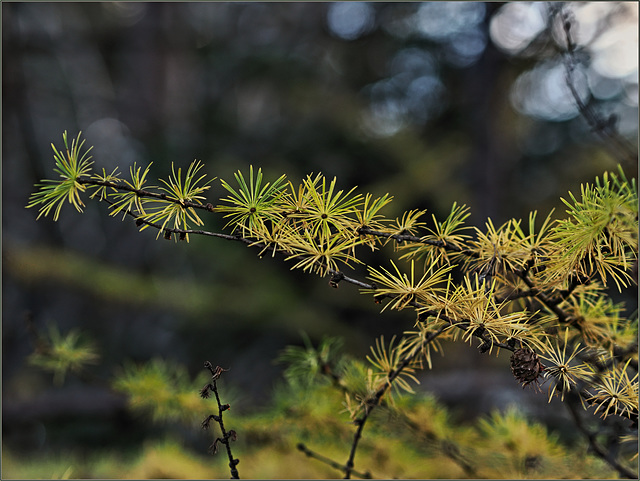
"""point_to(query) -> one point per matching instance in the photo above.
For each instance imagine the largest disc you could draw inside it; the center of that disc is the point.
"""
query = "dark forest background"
(430, 102)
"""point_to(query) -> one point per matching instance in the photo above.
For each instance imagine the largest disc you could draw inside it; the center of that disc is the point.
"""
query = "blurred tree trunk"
(493, 155)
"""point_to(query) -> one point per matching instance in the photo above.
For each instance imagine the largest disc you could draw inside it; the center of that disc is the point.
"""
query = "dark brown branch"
(144, 193)
(371, 404)
(542, 297)
(448, 448)
(417, 240)
(140, 221)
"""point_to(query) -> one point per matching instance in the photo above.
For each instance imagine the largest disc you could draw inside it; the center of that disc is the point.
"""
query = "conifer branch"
(529, 286)
(338, 276)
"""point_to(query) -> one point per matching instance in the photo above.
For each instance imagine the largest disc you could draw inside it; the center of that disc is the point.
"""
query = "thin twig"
(227, 436)
(144, 193)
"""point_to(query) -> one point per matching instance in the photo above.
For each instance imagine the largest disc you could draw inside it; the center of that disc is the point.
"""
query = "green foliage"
(106, 179)
(403, 289)
(601, 235)
(62, 354)
(306, 364)
(617, 392)
(127, 201)
(417, 438)
(386, 359)
(565, 367)
(254, 204)
(176, 206)
(369, 217)
(161, 389)
(73, 168)
(328, 212)
(445, 234)
(519, 449)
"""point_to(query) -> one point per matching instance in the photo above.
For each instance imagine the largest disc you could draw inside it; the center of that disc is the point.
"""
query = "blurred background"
(430, 102)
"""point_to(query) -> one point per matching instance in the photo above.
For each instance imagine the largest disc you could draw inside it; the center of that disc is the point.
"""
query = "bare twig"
(227, 436)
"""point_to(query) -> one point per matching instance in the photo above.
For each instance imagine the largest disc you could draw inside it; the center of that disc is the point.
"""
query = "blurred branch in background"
(606, 128)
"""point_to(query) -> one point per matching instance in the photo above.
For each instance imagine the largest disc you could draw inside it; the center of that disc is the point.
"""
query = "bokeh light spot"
(543, 92)
(350, 20)
(516, 24)
(467, 47)
(616, 52)
(440, 20)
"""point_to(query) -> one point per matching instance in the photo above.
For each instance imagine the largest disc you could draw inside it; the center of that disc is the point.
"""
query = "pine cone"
(526, 366)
